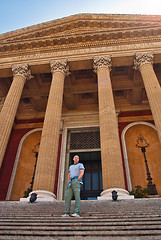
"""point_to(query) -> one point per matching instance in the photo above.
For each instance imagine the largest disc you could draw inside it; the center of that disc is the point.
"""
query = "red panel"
(29, 121)
(138, 113)
(8, 161)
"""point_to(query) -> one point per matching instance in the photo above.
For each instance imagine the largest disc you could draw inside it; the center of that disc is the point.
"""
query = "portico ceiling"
(80, 33)
(81, 92)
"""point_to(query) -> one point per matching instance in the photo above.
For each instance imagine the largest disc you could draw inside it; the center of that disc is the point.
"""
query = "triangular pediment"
(81, 28)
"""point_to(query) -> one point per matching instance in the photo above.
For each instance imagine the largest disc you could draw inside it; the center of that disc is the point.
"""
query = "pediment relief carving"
(76, 26)
(81, 29)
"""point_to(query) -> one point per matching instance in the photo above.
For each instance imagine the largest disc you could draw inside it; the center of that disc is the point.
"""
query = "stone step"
(93, 232)
(93, 220)
(38, 212)
(79, 223)
(128, 219)
(98, 216)
(80, 238)
(80, 227)
(82, 212)
(110, 210)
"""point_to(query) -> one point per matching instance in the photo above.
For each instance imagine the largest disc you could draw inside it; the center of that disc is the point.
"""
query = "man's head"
(76, 159)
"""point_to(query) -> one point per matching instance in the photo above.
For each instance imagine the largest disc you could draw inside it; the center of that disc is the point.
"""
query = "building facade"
(87, 84)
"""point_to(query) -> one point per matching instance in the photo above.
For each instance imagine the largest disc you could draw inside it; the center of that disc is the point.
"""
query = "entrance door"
(92, 179)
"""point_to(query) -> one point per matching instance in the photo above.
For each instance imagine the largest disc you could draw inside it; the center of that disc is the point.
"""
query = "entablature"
(122, 55)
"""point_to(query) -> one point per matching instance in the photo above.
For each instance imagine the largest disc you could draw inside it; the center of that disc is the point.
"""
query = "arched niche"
(134, 159)
(24, 165)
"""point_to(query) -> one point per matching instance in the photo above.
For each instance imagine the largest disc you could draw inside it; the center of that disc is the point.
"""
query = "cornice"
(82, 45)
(79, 26)
(78, 18)
(85, 31)
(86, 41)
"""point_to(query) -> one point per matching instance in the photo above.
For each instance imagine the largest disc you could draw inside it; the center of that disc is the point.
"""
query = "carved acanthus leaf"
(102, 62)
(22, 70)
(60, 66)
(142, 58)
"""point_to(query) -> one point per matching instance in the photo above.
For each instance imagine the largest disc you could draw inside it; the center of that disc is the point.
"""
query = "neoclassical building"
(87, 84)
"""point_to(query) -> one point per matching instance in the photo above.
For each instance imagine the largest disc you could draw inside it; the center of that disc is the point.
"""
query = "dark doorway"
(92, 179)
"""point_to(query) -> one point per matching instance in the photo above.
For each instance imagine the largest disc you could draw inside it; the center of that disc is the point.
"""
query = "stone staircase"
(124, 219)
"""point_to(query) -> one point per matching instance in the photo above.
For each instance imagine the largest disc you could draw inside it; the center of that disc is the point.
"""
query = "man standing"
(75, 174)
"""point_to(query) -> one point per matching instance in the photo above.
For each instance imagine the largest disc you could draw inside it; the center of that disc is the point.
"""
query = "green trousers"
(73, 189)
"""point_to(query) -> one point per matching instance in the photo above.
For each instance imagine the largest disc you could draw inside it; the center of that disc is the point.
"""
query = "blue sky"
(16, 14)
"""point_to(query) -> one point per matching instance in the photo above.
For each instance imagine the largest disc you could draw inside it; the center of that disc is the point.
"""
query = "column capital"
(142, 58)
(103, 61)
(22, 70)
(60, 66)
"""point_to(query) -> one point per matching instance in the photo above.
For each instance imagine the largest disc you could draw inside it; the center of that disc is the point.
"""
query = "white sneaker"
(65, 215)
(75, 215)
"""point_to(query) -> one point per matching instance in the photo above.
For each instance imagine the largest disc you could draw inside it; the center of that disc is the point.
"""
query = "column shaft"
(47, 158)
(8, 112)
(112, 169)
(152, 87)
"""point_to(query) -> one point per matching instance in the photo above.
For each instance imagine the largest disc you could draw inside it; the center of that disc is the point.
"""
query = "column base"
(122, 194)
(42, 196)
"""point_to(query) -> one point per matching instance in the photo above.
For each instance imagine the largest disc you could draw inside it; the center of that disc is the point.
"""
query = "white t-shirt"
(75, 170)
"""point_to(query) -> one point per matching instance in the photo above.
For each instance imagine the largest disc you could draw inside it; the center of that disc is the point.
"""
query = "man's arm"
(68, 177)
(81, 173)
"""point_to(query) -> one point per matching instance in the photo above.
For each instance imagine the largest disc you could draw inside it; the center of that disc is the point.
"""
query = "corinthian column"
(144, 62)
(9, 109)
(47, 159)
(112, 169)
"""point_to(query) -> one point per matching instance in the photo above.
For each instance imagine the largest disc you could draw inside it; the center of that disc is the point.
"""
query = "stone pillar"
(144, 62)
(112, 168)
(9, 109)
(47, 159)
